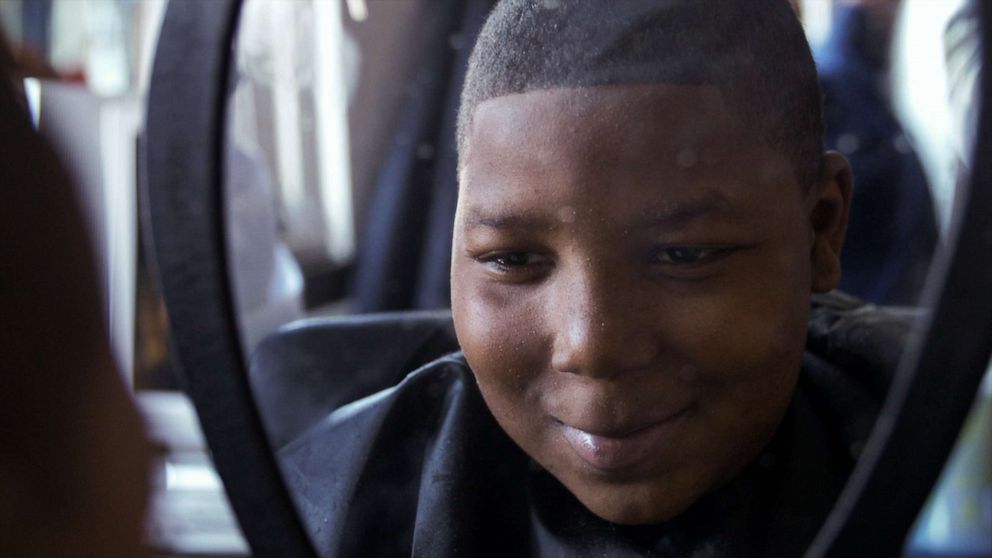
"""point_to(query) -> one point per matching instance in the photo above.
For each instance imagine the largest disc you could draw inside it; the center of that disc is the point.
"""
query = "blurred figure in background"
(75, 465)
(893, 228)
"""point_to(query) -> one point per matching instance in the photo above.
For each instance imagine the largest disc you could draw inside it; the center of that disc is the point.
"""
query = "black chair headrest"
(308, 368)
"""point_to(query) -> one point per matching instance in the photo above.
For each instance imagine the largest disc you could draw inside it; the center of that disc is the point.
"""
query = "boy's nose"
(602, 328)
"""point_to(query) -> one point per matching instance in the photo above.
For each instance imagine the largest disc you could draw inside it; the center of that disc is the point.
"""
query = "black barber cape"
(423, 469)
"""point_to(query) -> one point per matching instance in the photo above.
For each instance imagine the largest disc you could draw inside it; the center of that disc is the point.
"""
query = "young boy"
(644, 212)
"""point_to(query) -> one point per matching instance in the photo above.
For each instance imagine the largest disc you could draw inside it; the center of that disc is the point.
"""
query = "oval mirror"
(650, 313)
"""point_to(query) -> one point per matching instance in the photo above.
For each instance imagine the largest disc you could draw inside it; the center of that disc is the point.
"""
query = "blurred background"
(340, 185)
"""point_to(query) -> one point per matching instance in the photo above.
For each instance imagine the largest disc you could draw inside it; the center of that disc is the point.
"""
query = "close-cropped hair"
(755, 52)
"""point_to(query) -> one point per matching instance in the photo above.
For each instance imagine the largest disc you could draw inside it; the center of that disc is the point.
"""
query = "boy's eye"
(512, 259)
(685, 254)
(514, 263)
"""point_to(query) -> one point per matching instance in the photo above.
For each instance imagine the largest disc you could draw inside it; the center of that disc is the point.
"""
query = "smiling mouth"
(612, 453)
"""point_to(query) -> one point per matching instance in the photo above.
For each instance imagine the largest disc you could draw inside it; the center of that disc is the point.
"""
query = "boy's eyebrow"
(676, 214)
(503, 221)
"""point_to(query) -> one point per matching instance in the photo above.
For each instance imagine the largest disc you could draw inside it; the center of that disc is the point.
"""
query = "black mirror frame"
(183, 165)
(929, 400)
(940, 372)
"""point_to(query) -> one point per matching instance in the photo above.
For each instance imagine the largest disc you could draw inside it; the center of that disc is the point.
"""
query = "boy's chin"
(646, 502)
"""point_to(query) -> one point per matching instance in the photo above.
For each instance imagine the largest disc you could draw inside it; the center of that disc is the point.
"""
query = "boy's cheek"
(498, 332)
(745, 317)
(475, 290)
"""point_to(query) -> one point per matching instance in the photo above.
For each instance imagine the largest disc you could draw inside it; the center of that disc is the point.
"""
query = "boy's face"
(630, 284)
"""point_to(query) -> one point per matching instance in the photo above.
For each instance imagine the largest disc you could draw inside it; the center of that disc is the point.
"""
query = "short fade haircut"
(755, 52)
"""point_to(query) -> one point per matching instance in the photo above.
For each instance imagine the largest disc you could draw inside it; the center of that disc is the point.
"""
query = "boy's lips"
(622, 448)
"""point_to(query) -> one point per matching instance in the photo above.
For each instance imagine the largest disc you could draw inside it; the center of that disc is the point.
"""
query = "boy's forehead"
(626, 125)
(669, 106)
(681, 140)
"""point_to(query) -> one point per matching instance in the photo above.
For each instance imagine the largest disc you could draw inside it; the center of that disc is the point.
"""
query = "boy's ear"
(829, 202)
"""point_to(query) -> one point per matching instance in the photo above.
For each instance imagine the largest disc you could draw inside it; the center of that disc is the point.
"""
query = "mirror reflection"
(664, 264)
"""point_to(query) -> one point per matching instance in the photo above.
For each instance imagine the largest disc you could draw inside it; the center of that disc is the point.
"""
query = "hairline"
(466, 120)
